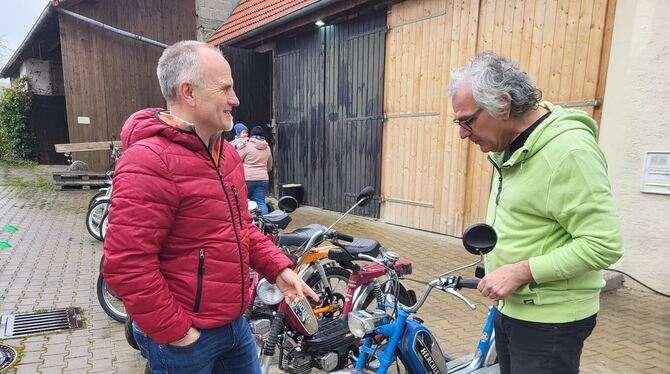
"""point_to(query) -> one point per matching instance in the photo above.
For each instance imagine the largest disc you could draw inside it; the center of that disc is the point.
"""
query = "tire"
(128, 329)
(103, 225)
(95, 197)
(404, 297)
(338, 279)
(110, 303)
(94, 218)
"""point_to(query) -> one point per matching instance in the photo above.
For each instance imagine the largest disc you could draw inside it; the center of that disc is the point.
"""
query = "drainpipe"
(110, 28)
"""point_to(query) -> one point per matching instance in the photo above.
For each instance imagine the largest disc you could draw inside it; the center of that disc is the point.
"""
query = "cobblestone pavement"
(53, 263)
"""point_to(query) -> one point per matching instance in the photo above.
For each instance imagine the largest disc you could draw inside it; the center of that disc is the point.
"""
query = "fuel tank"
(300, 317)
(421, 351)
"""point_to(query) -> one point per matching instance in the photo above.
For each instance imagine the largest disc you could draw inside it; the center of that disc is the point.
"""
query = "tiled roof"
(251, 14)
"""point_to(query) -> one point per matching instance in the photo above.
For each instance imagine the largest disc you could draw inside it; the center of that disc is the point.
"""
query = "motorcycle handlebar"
(343, 237)
(467, 283)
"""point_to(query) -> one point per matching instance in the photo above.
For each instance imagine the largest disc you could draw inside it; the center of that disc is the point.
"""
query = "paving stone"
(51, 370)
(78, 351)
(33, 346)
(54, 348)
(31, 357)
(26, 368)
(53, 360)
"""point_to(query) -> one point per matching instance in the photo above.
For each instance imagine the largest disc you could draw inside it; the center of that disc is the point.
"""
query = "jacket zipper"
(237, 202)
(201, 273)
(237, 237)
(232, 217)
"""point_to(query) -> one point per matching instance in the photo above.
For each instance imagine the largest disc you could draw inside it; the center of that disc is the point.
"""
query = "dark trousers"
(538, 348)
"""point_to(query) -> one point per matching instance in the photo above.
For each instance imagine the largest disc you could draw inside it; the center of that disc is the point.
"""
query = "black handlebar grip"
(468, 283)
(344, 237)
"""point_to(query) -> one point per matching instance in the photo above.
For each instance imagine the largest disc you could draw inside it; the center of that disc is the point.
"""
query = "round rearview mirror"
(479, 238)
(366, 195)
(288, 204)
(252, 206)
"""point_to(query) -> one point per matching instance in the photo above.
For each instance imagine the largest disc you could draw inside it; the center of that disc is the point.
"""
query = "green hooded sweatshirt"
(551, 204)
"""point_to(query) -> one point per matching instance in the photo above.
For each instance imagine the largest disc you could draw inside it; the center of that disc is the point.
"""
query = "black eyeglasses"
(465, 123)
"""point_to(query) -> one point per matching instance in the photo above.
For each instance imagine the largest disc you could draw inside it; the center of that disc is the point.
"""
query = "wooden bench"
(68, 148)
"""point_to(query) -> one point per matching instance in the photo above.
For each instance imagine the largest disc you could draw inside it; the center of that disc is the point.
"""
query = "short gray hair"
(494, 78)
(180, 62)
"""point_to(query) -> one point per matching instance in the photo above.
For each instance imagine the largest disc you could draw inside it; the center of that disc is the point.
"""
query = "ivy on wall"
(16, 141)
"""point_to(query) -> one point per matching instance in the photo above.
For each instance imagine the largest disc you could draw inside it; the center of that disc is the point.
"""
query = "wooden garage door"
(431, 179)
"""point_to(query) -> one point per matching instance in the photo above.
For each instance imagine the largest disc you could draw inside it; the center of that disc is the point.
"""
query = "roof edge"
(313, 7)
(9, 66)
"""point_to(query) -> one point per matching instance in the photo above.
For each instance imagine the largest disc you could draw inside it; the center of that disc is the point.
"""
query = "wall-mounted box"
(656, 173)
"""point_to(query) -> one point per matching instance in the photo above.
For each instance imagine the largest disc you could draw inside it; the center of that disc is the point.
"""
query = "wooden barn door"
(433, 180)
(300, 113)
(329, 99)
(354, 111)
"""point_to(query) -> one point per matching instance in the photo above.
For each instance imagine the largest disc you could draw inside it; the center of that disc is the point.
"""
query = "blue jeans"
(257, 190)
(227, 349)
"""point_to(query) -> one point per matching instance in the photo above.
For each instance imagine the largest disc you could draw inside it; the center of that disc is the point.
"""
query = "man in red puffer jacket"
(180, 239)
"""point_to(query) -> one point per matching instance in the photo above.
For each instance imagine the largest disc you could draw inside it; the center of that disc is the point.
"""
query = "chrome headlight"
(268, 292)
(362, 322)
(252, 206)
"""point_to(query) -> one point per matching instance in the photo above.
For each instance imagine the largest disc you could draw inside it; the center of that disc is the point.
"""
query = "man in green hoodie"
(552, 208)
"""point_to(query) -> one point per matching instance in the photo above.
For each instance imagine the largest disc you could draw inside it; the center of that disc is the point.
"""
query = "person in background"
(257, 159)
(241, 135)
(551, 205)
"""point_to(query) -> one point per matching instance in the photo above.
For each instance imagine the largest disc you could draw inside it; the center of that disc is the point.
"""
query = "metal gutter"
(4, 73)
(281, 21)
(104, 26)
(49, 11)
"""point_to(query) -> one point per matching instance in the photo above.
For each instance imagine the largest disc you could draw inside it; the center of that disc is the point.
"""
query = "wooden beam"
(83, 147)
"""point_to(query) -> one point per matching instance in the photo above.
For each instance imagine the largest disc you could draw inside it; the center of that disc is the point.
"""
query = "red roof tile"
(251, 14)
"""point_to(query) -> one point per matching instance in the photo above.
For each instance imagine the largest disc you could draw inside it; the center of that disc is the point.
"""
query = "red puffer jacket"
(180, 239)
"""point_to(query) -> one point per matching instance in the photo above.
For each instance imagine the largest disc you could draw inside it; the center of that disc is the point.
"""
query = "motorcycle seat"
(358, 246)
(300, 236)
(278, 218)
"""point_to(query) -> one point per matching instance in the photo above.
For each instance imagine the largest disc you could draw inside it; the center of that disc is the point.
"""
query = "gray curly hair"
(180, 62)
(494, 78)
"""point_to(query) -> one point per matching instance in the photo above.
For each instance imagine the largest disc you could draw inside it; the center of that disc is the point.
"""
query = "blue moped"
(389, 334)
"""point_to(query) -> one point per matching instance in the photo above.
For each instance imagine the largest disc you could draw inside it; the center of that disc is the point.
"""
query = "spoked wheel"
(110, 302)
(102, 192)
(338, 278)
(94, 218)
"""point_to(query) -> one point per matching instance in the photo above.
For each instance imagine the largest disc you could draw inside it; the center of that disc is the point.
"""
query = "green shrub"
(16, 142)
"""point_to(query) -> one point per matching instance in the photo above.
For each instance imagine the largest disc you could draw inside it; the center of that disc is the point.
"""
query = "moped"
(389, 334)
(305, 340)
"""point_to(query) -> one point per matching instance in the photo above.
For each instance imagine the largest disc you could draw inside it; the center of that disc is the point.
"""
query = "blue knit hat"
(239, 127)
